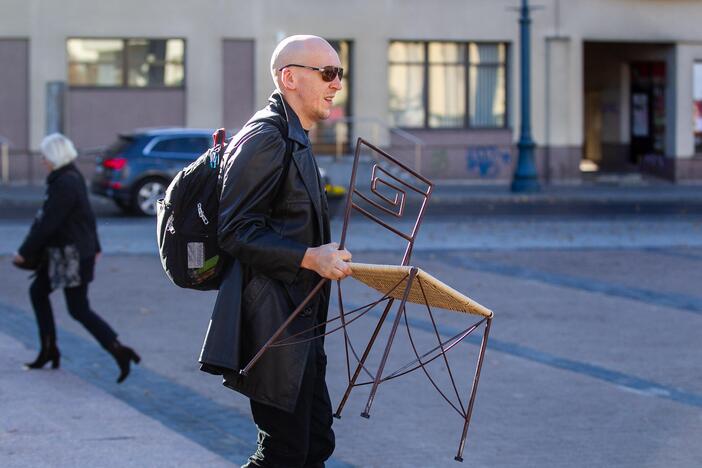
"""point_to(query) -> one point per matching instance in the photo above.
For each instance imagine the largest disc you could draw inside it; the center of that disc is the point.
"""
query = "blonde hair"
(58, 150)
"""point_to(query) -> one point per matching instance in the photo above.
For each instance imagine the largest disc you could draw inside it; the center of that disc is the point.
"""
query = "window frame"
(124, 63)
(466, 65)
(150, 151)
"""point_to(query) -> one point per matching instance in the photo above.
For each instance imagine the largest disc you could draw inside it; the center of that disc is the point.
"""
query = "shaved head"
(296, 66)
(301, 49)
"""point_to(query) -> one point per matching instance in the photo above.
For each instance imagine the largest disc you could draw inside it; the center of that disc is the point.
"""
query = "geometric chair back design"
(385, 200)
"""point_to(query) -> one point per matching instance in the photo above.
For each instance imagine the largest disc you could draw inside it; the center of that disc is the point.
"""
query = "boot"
(49, 352)
(124, 355)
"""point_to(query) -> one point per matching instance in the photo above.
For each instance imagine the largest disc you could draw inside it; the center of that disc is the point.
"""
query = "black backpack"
(186, 218)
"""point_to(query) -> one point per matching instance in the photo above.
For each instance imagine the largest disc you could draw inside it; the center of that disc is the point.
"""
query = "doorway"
(624, 106)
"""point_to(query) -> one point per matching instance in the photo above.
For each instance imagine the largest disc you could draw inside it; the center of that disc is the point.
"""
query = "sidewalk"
(609, 195)
(616, 196)
(55, 418)
(78, 416)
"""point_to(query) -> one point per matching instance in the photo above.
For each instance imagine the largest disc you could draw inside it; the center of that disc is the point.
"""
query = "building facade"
(616, 84)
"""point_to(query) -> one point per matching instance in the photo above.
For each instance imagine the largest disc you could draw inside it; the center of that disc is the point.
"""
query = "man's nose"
(336, 83)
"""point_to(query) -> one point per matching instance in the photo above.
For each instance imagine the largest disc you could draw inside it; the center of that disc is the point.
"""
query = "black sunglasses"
(328, 73)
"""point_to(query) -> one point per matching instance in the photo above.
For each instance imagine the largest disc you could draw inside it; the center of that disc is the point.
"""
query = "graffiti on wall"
(487, 162)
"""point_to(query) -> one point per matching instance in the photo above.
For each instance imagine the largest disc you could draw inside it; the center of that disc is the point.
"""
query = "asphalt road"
(593, 358)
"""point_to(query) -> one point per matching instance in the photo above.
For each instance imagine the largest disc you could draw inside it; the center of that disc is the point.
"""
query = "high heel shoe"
(124, 355)
(48, 353)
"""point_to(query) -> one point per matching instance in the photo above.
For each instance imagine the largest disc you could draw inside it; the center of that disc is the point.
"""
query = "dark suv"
(136, 169)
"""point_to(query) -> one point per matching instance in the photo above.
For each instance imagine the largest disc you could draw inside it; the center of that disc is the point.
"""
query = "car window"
(183, 145)
(119, 146)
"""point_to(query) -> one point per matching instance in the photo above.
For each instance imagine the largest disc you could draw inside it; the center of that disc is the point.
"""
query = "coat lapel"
(308, 173)
(304, 160)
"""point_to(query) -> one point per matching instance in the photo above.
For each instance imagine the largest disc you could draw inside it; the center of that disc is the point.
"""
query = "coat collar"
(278, 105)
(53, 175)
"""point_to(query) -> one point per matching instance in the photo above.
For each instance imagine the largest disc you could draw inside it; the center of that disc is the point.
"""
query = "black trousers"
(305, 437)
(78, 306)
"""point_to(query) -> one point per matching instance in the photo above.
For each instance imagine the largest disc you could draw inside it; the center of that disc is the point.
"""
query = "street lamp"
(525, 178)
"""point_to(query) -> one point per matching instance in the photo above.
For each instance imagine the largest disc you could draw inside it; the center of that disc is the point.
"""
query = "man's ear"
(287, 78)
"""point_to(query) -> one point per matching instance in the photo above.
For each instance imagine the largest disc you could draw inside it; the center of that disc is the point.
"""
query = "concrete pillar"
(47, 62)
(577, 95)
(370, 89)
(680, 139)
(204, 81)
(558, 97)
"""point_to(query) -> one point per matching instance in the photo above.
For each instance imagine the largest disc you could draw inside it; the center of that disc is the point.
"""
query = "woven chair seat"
(388, 279)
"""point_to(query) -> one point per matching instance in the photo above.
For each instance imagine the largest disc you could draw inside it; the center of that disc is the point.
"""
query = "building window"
(133, 63)
(697, 103)
(447, 84)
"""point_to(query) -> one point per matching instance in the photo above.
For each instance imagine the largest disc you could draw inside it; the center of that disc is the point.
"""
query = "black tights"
(78, 306)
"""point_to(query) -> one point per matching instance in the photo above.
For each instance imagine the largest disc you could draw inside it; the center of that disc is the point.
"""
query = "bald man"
(274, 226)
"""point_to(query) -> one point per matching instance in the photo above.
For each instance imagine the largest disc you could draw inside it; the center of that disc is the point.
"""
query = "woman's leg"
(79, 308)
(39, 292)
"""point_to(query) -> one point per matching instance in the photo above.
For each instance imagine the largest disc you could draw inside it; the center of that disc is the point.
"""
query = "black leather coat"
(272, 208)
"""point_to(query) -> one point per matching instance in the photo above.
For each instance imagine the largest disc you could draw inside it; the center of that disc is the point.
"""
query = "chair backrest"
(384, 201)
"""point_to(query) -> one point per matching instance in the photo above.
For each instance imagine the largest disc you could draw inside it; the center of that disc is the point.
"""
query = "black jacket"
(272, 208)
(65, 218)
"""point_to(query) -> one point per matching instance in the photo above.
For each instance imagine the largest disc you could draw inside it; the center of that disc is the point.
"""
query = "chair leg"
(473, 391)
(386, 353)
(361, 363)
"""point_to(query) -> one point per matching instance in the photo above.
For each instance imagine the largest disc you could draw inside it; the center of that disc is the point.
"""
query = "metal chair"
(385, 202)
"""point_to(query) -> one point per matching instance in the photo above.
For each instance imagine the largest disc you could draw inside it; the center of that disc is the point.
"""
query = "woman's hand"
(18, 259)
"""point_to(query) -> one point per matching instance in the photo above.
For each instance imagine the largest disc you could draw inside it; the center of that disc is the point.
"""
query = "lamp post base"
(525, 184)
(525, 177)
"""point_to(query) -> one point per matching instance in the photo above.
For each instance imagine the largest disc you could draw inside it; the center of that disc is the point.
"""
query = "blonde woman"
(63, 242)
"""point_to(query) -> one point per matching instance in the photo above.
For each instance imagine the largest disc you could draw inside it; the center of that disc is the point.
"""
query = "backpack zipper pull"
(169, 224)
(201, 213)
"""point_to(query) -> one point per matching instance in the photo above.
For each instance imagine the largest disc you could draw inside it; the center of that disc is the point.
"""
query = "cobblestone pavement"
(593, 358)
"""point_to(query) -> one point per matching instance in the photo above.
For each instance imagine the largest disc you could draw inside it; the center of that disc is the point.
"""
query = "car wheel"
(146, 194)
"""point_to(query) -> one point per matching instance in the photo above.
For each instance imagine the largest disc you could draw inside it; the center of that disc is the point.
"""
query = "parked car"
(135, 170)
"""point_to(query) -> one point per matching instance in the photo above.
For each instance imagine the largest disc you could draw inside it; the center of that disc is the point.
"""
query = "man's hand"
(18, 259)
(328, 261)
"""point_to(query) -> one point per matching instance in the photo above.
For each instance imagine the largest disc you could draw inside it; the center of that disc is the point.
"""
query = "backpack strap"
(219, 135)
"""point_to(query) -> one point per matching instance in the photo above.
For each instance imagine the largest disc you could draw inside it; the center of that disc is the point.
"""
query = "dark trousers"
(78, 306)
(305, 437)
